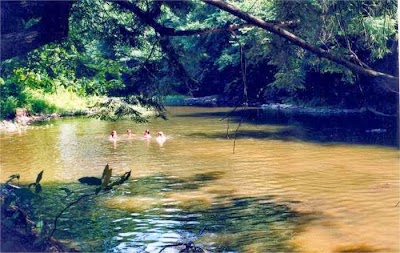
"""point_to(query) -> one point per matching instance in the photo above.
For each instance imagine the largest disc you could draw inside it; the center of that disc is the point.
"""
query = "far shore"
(317, 111)
(215, 101)
(22, 119)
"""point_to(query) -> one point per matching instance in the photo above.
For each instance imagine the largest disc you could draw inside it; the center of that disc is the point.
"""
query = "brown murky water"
(348, 191)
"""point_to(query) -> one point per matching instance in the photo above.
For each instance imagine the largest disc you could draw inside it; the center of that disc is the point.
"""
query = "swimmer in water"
(160, 138)
(113, 135)
(129, 133)
(146, 134)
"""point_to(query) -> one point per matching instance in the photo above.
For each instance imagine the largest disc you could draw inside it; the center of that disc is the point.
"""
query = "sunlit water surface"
(289, 185)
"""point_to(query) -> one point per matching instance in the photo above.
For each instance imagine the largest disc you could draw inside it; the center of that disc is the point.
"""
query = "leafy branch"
(106, 184)
(38, 187)
(16, 195)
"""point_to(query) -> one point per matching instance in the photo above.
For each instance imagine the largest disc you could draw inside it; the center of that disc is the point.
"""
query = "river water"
(284, 184)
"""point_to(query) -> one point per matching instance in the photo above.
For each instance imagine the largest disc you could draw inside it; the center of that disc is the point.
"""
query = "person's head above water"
(113, 134)
(160, 138)
(146, 134)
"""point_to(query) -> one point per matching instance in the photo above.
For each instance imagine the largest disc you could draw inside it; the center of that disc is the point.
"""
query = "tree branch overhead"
(391, 81)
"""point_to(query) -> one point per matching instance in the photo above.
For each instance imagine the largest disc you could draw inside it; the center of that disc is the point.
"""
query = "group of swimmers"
(146, 135)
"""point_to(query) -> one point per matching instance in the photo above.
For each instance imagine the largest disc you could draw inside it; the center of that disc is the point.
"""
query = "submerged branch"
(236, 131)
(65, 209)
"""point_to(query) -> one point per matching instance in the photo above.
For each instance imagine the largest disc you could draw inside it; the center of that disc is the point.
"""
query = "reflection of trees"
(229, 223)
(67, 141)
(83, 147)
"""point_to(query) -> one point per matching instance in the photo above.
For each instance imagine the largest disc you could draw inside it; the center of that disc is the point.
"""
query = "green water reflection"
(229, 224)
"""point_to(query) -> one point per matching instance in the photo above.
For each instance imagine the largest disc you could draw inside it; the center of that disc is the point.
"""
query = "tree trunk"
(53, 26)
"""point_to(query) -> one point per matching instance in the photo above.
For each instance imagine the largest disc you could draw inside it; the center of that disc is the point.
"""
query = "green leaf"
(105, 171)
(39, 176)
(106, 178)
(39, 226)
(127, 175)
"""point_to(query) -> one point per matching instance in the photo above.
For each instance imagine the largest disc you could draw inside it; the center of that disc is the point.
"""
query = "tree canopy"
(332, 52)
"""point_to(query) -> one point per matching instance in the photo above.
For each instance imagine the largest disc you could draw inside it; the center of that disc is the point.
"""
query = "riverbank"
(42, 106)
(23, 120)
(316, 111)
(216, 101)
(207, 101)
(19, 232)
(107, 108)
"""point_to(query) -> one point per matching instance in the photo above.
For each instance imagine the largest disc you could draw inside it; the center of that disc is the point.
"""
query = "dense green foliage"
(111, 51)
(363, 31)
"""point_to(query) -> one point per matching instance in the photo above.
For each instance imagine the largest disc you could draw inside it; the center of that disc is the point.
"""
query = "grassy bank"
(62, 102)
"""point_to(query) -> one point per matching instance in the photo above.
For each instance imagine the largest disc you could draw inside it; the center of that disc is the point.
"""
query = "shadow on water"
(229, 224)
(213, 114)
(149, 186)
(366, 129)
